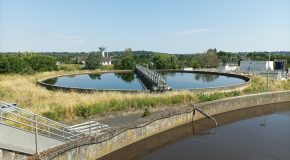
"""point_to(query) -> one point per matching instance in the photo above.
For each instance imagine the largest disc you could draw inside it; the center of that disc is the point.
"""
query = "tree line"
(128, 59)
(26, 63)
(125, 60)
(210, 59)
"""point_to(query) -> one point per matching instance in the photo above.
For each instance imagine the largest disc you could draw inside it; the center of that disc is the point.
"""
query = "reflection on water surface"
(176, 80)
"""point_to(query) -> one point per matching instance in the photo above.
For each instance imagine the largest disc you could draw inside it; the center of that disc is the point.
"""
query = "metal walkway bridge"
(29, 133)
(153, 80)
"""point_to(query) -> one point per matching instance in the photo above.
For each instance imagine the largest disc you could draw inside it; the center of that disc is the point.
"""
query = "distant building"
(256, 65)
(188, 69)
(105, 60)
(102, 49)
(229, 67)
(79, 61)
(280, 64)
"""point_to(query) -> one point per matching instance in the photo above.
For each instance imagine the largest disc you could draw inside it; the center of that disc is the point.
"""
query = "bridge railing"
(156, 79)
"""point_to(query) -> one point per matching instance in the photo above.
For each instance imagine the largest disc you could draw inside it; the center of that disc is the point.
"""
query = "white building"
(229, 67)
(256, 65)
(105, 60)
(188, 69)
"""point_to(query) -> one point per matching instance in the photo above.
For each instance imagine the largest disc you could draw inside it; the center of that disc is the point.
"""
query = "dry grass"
(24, 91)
(60, 105)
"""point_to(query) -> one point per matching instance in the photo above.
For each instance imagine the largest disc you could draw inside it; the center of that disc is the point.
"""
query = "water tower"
(102, 49)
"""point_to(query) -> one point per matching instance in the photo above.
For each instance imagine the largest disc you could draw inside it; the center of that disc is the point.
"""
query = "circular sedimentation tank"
(199, 81)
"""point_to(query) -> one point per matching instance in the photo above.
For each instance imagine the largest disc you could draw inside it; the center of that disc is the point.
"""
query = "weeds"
(146, 113)
(65, 106)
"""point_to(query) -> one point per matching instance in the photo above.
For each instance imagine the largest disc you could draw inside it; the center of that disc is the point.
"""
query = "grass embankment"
(79, 67)
(65, 106)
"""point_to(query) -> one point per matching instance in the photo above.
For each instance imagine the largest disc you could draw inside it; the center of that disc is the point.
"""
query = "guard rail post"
(90, 129)
(1, 119)
(35, 133)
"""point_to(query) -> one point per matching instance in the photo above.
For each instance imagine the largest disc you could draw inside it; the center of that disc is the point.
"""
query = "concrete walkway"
(22, 141)
(119, 120)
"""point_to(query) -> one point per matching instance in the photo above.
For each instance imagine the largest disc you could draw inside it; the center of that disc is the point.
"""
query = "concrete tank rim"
(247, 81)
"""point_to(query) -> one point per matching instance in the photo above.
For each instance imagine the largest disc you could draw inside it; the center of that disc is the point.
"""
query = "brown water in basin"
(257, 133)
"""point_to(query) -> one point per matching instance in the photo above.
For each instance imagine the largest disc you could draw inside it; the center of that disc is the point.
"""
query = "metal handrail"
(16, 121)
(89, 127)
(31, 114)
(58, 135)
(13, 116)
(33, 127)
(33, 121)
(53, 127)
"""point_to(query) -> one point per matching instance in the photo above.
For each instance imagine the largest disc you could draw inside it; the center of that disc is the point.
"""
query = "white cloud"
(72, 38)
(81, 41)
(196, 31)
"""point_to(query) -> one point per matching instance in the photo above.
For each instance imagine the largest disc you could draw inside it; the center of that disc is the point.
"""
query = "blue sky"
(174, 26)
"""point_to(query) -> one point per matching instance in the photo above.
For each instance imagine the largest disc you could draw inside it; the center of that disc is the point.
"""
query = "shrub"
(57, 113)
(209, 97)
(99, 108)
(26, 63)
(83, 111)
(93, 61)
(177, 99)
(146, 113)
(69, 67)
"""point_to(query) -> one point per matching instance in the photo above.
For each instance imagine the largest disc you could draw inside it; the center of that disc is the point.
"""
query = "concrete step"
(88, 127)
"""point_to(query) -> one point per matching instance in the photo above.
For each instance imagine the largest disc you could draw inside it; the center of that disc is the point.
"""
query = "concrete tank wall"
(12, 155)
(93, 147)
(228, 88)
